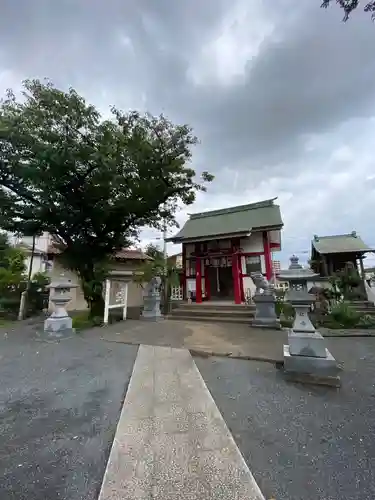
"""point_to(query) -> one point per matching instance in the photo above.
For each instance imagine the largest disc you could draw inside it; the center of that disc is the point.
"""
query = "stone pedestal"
(59, 324)
(306, 344)
(310, 365)
(151, 307)
(265, 314)
(302, 321)
(151, 301)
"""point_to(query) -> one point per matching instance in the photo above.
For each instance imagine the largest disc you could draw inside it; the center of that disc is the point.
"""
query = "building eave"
(223, 236)
(244, 234)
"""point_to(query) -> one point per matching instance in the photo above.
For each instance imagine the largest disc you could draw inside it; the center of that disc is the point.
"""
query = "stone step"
(211, 319)
(361, 308)
(215, 307)
(247, 313)
(359, 301)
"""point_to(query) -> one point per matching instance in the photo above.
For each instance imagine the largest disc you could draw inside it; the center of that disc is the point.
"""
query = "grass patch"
(5, 322)
(81, 321)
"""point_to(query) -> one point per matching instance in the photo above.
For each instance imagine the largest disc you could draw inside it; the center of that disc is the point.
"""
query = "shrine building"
(221, 248)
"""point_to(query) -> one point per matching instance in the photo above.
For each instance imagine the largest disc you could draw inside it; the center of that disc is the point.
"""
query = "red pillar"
(241, 279)
(267, 255)
(207, 286)
(198, 280)
(236, 279)
(183, 271)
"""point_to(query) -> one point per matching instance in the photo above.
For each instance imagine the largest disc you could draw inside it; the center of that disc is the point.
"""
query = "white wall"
(41, 242)
(319, 284)
(248, 284)
(39, 265)
(275, 237)
(253, 243)
(262, 264)
(191, 286)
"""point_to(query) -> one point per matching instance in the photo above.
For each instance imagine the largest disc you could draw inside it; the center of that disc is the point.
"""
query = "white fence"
(370, 292)
(176, 293)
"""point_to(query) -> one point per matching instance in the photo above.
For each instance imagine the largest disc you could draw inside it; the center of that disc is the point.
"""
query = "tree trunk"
(92, 285)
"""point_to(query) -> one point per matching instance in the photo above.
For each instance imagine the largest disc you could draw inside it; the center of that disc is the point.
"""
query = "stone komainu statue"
(154, 285)
(260, 282)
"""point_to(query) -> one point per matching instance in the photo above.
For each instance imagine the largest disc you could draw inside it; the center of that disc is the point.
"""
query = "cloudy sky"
(280, 93)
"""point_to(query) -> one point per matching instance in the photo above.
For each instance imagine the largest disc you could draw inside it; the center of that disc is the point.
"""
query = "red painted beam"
(267, 255)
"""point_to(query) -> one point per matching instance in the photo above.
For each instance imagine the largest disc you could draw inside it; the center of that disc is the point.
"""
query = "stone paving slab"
(235, 340)
(171, 441)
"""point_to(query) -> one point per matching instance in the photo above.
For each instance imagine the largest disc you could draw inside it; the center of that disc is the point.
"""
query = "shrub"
(366, 321)
(285, 310)
(345, 316)
(38, 295)
(82, 321)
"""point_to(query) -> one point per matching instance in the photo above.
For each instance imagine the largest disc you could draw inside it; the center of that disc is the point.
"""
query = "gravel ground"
(59, 407)
(302, 442)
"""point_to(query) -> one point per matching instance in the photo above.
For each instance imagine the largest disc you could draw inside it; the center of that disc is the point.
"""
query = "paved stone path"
(171, 441)
(237, 340)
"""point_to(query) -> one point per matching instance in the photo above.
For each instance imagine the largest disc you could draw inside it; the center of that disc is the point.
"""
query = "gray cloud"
(272, 89)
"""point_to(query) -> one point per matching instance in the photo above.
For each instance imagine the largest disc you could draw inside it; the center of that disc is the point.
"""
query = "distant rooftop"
(242, 219)
(340, 243)
(124, 254)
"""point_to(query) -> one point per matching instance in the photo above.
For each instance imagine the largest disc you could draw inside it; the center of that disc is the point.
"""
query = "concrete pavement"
(59, 408)
(236, 340)
(171, 440)
(302, 442)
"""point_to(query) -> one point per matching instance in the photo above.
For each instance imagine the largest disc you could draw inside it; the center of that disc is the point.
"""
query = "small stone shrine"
(265, 300)
(151, 301)
(305, 353)
(59, 324)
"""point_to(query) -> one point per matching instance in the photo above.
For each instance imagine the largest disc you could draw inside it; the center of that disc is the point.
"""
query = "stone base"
(307, 344)
(308, 378)
(273, 324)
(57, 327)
(309, 364)
(151, 317)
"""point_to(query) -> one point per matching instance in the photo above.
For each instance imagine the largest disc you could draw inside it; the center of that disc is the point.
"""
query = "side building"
(221, 248)
(330, 254)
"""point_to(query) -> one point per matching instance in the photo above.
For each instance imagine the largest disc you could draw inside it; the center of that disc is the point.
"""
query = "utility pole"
(165, 270)
(25, 294)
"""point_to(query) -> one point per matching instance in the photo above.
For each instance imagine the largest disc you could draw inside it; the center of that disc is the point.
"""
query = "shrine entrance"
(220, 282)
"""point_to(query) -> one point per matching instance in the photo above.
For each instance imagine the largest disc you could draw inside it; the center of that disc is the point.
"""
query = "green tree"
(12, 274)
(89, 182)
(349, 5)
(154, 252)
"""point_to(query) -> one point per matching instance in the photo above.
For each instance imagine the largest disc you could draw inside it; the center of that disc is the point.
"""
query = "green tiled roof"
(341, 243)
(235, 220)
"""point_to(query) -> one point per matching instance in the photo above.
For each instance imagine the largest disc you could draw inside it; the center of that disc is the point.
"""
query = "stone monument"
(59, 324)
(151, 301)
(305, 353)
(264, 300)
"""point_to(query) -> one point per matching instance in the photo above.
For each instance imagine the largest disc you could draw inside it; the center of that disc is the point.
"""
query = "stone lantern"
(297, 294)
(59, 324)
(306, 352)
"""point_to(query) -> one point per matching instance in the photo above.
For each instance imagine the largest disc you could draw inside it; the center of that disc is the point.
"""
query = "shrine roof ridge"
(231, 210)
